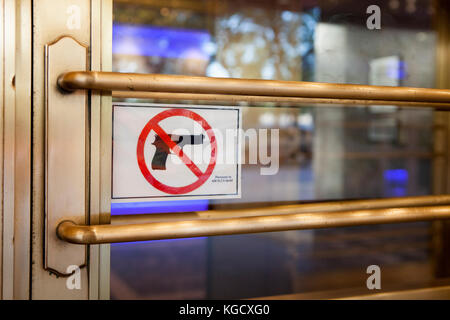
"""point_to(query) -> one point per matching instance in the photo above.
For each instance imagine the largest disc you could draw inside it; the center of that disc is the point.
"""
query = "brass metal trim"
(329, 206)
(267, 99)
(100, 137)
(114, 81)
(66, 173)
(80, 234)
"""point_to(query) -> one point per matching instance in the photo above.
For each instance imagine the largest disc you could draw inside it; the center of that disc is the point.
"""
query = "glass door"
(326, 152)
(342, 174)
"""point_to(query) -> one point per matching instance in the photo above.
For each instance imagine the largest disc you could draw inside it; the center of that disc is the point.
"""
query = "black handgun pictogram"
(163, 150)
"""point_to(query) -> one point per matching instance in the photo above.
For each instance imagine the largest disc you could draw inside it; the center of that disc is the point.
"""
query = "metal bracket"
(66, 155)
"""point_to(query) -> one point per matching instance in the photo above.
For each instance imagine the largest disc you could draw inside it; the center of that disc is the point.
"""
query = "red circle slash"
(153, 124)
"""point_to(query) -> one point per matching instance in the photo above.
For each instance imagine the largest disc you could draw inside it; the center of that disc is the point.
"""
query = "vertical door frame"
(22, 145)
(101, 146)
(441, 165)
(7, 146)
(22, 191)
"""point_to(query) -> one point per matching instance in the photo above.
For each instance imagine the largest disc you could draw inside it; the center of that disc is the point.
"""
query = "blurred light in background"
(286, 120)
(267, 119)
(162, 42)
(396, 182)
(305, 121)
(159, 207)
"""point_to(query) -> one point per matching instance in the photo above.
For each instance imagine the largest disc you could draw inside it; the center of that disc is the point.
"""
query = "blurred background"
(326, 152)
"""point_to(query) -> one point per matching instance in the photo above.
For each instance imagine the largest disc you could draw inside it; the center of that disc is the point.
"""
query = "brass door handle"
(283, 218)
(270, 219)
(206, 88)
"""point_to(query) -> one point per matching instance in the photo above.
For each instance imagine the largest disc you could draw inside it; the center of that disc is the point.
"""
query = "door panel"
(351, 150)
(7, 130)
(82, 21)
(441, 177)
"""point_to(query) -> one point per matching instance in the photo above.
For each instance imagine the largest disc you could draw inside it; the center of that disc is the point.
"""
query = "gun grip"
(159, 160)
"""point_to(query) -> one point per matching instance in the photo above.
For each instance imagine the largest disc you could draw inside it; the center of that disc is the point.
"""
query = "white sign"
(163, 152)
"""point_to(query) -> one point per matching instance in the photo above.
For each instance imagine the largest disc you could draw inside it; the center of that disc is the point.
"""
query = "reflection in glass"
(326, 152)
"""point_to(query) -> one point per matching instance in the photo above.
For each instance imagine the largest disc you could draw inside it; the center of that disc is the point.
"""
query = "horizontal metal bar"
(78, 234)
(113, 81)
(329, 206)
(264, 99)
(436, 290)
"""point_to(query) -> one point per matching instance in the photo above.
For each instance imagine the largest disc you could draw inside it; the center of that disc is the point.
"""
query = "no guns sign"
(163, 152)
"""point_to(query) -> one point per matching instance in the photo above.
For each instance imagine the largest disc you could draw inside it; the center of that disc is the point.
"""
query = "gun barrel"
(188, 139)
